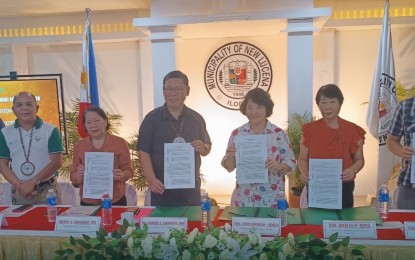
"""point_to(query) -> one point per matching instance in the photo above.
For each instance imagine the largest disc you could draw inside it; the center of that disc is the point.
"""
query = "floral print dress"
(278, 147)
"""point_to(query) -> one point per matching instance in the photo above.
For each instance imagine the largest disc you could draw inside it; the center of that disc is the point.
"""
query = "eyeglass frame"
(178, 90)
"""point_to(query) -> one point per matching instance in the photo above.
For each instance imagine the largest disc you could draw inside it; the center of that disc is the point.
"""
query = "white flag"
(383, 100)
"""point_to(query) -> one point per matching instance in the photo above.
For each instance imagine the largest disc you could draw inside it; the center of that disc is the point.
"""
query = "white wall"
(117, 65)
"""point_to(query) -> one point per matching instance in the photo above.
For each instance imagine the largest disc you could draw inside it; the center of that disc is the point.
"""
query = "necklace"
(178, 138)
(27, 168)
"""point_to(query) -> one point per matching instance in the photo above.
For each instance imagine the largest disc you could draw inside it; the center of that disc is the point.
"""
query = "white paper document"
(98, 176)
(179, 166)
(251, 154)
(325, 185)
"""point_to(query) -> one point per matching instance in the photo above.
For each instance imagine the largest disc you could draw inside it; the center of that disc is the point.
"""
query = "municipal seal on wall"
(234, 69)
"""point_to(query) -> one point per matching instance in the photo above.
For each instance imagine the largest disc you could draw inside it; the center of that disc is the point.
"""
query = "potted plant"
(294, 132)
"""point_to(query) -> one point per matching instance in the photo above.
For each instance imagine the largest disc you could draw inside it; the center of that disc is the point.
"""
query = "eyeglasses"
(176, 90)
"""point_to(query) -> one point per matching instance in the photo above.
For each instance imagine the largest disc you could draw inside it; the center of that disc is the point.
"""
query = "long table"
(31, 236)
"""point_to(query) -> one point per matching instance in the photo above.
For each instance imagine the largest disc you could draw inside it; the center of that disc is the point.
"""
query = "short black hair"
(99, 111)
(176, 74)
(260, 97)
(330, 91)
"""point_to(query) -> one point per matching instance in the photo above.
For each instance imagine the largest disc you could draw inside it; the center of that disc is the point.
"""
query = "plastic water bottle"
(106, 207)
(205, 207)
(52, 209)
(282, 207)
(383, 202)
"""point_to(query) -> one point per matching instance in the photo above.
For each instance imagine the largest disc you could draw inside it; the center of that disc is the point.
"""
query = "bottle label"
(205, 205)
(106, 204)
(383, 197)
(51, 201)
(282, 204)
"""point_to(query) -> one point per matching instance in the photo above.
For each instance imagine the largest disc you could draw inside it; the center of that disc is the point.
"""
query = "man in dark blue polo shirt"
(1, 123)
(172, 122)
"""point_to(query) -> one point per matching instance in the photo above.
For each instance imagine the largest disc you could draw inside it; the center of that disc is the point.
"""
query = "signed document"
(251, 154)
(325, 185)
(98, 176)
(179, 166)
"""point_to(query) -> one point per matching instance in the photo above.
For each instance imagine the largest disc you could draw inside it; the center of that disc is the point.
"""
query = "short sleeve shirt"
(403, 124)
(324, 142)
(43, 139)
(160, 127)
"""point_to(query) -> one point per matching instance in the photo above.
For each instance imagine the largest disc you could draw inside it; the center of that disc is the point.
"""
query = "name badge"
(264, 226)
(77, 224)
(352, 229)
(409, 227)
(161, 225)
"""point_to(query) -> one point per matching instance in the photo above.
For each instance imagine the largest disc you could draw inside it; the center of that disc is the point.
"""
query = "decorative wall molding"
(65, 30)
(372, 13)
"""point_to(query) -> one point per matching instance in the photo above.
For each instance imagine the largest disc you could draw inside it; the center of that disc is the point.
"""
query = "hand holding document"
(251, 154)
(98, 177)
(325, 185)
(179, 166)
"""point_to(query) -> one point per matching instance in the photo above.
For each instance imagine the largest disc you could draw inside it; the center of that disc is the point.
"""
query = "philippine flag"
(89, 85)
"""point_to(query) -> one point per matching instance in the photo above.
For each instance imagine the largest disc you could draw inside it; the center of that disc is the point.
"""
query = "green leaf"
(91, 254)
(101, 237)
(114, 242)
(72, 240)
(69, 251)
(125, 223)
(317, 242)
(115, 234)
(83, 244)
(60, 252)
(98, 246)
(333, 237)
(104, 232)
(316, 249)
(356, 252)
(86, 237)
(338, 257)
(359, 247)
(346, 241)
(78, 257)
(336, 245)
(324, 252)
